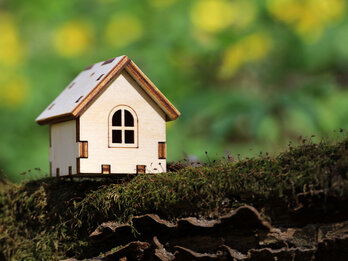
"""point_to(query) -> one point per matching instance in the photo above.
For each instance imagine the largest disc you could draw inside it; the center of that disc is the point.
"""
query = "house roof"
(91, 82)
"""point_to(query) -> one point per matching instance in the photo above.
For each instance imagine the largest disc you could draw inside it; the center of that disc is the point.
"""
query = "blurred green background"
(246, 75)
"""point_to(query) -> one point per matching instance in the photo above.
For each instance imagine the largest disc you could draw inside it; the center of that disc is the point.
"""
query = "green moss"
(52, 218)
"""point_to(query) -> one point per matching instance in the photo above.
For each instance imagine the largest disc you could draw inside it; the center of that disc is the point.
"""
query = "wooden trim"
(162, 150)
(56, 119)
(101, 86)
(57, 172)
(113, 110)
(51, 172)
(77, 129)
(78, 166)
(153, 91)
(50, 135)
(105, 169)
(83, 149)
(141, 169)
(70, 170)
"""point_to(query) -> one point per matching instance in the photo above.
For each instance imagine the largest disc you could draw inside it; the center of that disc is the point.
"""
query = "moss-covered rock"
(52, 218)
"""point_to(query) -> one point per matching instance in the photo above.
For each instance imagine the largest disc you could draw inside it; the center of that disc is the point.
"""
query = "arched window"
(123, 127)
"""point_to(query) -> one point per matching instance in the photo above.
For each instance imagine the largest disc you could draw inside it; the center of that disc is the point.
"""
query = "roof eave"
(56, 119)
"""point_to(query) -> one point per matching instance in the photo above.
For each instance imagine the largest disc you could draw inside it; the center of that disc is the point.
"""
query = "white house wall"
(64, 149)
(151, 130)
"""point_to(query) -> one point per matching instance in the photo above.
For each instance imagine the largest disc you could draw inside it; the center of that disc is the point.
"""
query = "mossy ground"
(51, 218)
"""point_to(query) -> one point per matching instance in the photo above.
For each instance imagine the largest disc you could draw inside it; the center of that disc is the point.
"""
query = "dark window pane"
(128, 119)
(116, 118)
(116, 136)
(129, 136)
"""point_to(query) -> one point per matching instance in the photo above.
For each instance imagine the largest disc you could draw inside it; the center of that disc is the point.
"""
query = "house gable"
(91, 82)
(150, 129)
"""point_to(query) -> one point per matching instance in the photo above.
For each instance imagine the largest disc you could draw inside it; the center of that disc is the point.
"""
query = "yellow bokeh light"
(122, 30)
(252, 48)
(217, 15)
(256, 46)
(73, 38)
(161, 3)
(308, 18)
(14, 92)
(212, 15)
(11, 47)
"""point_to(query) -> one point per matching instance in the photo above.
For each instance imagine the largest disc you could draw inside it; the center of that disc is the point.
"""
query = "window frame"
(123, 128)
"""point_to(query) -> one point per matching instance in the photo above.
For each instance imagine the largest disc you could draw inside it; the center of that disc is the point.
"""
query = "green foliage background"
(244, 74)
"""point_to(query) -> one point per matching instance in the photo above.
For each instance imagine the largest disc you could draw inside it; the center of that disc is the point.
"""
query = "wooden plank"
(57, 172)
(162, 150)
(77, 165)
(77, 129)
(141, 169)
(105, 169)
(83, 149)
(57, 119)
(70, 170)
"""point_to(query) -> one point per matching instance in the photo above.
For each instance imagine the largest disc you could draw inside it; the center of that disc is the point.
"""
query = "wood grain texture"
(83, 149)
(105, 169)
(141, 169)
(77, 129)
(162, 150)
(151, 130)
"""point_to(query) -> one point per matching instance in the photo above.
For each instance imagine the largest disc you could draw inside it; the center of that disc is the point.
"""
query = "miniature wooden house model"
(110, 119)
